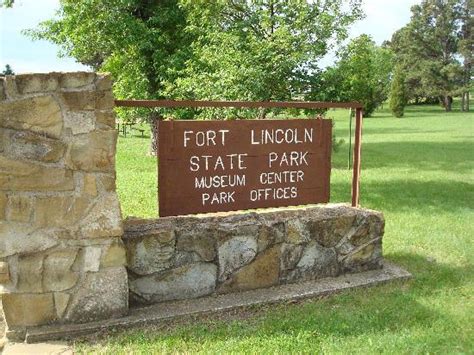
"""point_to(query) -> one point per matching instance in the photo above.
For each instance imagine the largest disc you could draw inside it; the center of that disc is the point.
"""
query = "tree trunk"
(447, 102)
(262, 113)
(441, 101)
(465, 101)
(153, 120)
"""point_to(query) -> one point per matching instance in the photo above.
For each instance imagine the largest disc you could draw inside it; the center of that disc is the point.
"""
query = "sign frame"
(219, 166)
(356, 166)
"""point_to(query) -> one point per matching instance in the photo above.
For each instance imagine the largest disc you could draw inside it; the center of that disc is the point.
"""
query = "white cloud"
(383, 18)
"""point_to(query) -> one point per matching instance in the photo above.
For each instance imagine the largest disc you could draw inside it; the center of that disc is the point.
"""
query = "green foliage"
(6, 3)
(398, 95)
(257, 50)
(336, 143)
(362, 73)
(8, 71)
(428, 49)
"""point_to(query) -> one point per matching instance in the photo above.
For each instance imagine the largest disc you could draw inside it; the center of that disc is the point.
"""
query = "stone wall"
(61, 254)
(191, 256)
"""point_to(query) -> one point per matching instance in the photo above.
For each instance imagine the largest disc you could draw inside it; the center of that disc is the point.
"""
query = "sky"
(383, 17)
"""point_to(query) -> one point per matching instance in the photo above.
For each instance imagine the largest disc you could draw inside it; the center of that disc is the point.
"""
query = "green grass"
(418, 170)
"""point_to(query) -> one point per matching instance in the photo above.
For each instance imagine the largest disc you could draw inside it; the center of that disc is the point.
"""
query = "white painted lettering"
(200, 138)
(219, 181)
(223, 133)
(303, 158)
(292, 158)
(186, 138)
(252, 138)
(204, 138)
(211, 137)
(308, 135)
(231, 160)
(284, 159)
(253, 195)
(194, 163)
(241, 161)
(272, 157)
(285, 177)
(218, 198)
(206, 160)
(282, 136)
(280, 193)
(219, 163)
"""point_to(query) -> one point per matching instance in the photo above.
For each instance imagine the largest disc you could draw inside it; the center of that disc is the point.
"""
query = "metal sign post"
(356, 165)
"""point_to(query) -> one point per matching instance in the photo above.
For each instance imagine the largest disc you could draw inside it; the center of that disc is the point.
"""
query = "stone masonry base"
(187, 257)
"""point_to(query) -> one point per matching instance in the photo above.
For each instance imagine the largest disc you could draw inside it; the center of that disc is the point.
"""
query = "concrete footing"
(174, 310)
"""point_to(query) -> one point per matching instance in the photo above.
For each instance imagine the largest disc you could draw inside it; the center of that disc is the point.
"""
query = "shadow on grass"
(447, 156)
(431, 275)
(430, 110)
(135, 135)
(465, 137)
(421, 196)
(344, 133)
(391, 306)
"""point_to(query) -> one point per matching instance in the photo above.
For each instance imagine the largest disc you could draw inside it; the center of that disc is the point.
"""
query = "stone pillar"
(61, 255)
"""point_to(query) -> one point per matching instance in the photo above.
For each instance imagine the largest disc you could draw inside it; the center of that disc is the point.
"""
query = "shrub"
(398, 97)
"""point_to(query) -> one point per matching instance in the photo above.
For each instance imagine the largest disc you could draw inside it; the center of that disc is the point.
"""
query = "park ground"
(417, 170)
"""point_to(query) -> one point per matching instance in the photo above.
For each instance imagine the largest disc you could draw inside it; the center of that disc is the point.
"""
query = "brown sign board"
(212, 166)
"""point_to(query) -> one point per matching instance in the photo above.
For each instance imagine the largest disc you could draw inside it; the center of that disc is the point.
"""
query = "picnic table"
(131, 126)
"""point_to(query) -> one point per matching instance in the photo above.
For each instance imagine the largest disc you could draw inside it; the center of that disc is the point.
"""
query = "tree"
(427, 49)
(362, 73)
(406, 59)
(257, 50)
(142, 43)
(6, 3)
(398, 99)
(8, 71)
(466, 49)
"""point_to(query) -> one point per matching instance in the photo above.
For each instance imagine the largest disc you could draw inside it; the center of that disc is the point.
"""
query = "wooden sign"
(211, 166)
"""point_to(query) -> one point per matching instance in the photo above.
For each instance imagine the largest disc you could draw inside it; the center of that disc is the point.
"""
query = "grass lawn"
(418, 170)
